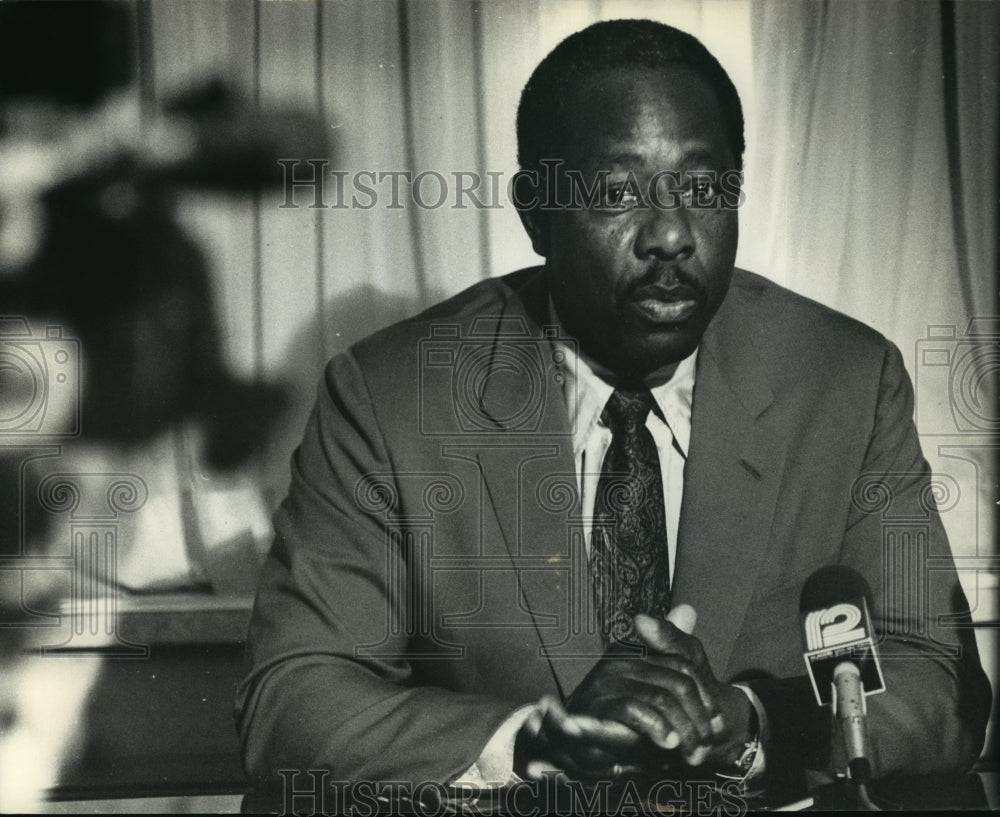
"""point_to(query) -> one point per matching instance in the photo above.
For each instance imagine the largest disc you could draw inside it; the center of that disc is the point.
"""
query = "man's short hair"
(613, 44)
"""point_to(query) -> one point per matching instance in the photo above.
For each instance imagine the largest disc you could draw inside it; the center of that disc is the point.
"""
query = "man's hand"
(671, 644)
(641, 714)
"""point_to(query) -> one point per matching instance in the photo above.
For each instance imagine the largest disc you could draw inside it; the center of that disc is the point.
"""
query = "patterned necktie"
(628, 558)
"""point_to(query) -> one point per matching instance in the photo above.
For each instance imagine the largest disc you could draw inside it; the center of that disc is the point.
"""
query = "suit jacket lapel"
(530, 477)
(731, 481)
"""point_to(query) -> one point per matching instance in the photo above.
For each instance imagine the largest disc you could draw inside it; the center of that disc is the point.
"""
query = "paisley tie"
(629, 560)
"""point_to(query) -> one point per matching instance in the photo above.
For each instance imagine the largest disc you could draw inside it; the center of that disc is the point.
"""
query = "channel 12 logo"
(841, 632)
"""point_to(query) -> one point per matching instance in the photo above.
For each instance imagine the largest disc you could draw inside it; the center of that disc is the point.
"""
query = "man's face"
(637, 278)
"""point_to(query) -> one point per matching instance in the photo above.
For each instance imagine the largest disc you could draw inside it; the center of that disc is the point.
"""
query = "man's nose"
(665, 233)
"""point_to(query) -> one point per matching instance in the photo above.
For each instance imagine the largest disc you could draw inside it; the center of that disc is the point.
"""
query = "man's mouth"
(666, 304)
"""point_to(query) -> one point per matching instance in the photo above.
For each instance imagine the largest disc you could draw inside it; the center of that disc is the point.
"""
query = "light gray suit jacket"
(426, 576)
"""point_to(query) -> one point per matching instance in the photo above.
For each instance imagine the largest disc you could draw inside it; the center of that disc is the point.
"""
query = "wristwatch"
(744, 762)
(749, 754)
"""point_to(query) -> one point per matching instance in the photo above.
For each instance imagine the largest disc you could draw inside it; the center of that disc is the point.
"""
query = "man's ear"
(537, 226)
(527, 199)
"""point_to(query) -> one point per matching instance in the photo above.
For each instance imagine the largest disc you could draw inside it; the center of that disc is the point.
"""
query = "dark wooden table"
(160, 722)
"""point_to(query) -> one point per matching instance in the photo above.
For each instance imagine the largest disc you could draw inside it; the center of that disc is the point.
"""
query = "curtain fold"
(977, 111)
(849, 169)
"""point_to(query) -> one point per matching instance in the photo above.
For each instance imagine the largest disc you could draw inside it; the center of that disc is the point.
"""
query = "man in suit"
(454, 595)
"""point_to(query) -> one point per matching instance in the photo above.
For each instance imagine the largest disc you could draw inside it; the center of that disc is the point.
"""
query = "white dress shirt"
(587, 392)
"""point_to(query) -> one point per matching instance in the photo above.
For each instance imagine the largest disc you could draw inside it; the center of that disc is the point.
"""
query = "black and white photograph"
(499, 407)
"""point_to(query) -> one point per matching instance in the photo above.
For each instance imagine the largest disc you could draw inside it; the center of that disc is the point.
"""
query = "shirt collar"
(586, 388)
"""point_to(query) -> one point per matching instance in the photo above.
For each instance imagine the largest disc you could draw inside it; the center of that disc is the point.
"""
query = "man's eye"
(700, 190)
(619, 197)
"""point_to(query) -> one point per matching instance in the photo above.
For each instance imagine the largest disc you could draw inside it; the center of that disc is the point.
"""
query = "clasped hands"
(640, 715)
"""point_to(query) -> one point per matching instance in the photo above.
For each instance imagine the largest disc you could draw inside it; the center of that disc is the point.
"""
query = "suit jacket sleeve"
(313, 697)
(932, 716)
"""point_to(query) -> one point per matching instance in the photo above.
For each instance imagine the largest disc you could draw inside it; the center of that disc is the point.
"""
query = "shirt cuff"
(495, 764)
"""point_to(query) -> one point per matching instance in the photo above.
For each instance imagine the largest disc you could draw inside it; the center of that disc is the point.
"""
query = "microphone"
(840, 655)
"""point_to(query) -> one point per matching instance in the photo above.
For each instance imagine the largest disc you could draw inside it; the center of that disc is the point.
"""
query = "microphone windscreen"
(831, 585)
